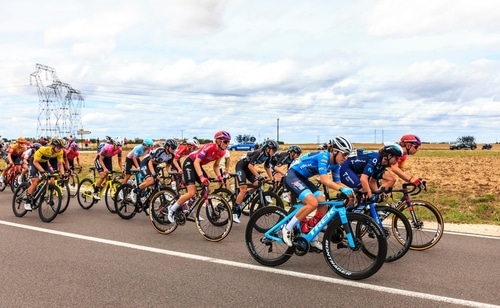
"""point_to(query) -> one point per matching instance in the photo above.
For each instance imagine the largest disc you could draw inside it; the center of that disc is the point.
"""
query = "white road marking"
(339, 281)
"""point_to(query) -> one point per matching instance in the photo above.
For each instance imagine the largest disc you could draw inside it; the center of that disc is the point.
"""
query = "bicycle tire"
(271, 199)
(19, 199)
(397, 231)
(73, 182)
(367, 235)
(263, 250)
(429, 226)
(50, 203)
(85, 195)
(110, 194)
(65, 195)
(228, 195)
(124, 205)
(159, 221)
(213, 219)
(14, 181)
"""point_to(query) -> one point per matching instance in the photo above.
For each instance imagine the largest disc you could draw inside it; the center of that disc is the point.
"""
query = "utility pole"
(278, 130)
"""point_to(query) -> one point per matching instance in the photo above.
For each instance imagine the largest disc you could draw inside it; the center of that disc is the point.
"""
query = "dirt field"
(463, 184)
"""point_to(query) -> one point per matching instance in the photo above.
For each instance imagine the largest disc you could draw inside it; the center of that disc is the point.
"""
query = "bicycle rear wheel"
(64, 187)
(159, 202)
(14, 183)
(228, 195)
(19, 199)
(270, 199)
(125, 206)
(214, 218)
(85, 194)
(355, 263)
(73, 185)
(50, 204)
(264, 250)
(110, 195)
(428, 225)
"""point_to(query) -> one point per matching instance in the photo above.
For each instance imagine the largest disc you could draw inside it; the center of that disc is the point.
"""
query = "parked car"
(463, 145)
(242, 147)
(486, 146)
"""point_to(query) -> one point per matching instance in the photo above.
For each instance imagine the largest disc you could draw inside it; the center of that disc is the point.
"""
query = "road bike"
(11, 178)
(128, 203)
(212, 214)
(74, 181)
(425, 218)
(47, 198)
(85, 194)
(354, 245)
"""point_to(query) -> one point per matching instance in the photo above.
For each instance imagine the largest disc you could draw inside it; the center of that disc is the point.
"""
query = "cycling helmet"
(295, 148)
(118, 141)
(222, 135)
(411, 139)
(342, 144)
(172, 143)
(273, 145)
(392, 150)
(74, 146)
(36, 146)
(21, 140)
(193, 142)
(148, 142)
(57, 142)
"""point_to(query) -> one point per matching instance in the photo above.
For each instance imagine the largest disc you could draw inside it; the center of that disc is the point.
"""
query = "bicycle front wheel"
(228, 195)
(213, 218)
(270, 198)
(125, 206)
(262, 249)
(85, 194)
(50, 204)
(64, 187)
(158, 209)
(73, 182)
(397, 231)
(110, 195)
(19, 199)
(353, 262)
(427, 224)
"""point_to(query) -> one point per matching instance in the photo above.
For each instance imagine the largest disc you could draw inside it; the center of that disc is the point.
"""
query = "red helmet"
(222, 135)
(411, 139)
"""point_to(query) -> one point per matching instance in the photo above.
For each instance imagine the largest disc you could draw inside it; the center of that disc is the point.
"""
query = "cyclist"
(183, 150)
(149, 165)
(26, 158)
(133, 158)
(246, 170)
(281, 161)
(73, 154)
(367, 169)
(193, 168)
(104, 163)
(39, 164)
(410, 144)
(14, 156)
(297, 181)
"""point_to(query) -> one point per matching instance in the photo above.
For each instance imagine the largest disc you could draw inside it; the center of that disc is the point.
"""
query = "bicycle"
(62, 183)
(74, 181)
(129, 203)
(213, 216)
(425, 218)
(354, 245)
(11, 178)
(85, 194)
(252, 201)
(47, 198)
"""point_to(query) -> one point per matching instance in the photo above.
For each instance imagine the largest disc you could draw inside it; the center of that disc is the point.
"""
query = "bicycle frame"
(336, 209)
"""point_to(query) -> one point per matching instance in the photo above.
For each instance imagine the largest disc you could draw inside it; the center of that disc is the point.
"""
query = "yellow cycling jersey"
(45, 153)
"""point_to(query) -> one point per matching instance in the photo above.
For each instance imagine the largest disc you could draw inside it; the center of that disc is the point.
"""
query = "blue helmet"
(148, 142)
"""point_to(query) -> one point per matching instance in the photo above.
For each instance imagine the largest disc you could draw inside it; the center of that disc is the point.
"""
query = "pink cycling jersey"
(109, 151)
(208, 153)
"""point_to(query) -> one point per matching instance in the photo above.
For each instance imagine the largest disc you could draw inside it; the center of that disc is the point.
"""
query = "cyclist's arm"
(327, 181)
(252, 169)
(399, 172)
(197, 167)
(177, 165)
(135, 162)
(37, 165)
(365, 185)
(120, 162)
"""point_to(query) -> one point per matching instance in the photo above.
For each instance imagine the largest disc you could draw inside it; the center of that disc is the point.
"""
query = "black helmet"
(295, 148)
(273, 145)
(171, 143)
(392, 150)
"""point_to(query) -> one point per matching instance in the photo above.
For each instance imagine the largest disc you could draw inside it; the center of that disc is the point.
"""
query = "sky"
(303, 71)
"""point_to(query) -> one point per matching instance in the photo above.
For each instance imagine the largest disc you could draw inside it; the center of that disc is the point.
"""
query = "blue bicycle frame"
(335, 208)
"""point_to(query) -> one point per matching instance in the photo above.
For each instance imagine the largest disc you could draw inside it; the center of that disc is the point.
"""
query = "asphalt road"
(92, 258)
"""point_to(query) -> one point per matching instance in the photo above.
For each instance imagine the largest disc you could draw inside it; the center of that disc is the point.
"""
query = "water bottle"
(173, 185)
(286, 195)
(139, 177)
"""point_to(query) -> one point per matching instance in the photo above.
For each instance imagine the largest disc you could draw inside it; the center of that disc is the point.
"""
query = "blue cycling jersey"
(316, 163)
(366, 163)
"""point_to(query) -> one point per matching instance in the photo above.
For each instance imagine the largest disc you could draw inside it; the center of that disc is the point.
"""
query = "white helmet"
(342, 144)
(118, 141)
(193, 142)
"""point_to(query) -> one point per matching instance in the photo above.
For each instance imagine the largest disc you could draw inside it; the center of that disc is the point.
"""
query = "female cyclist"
(410, 144)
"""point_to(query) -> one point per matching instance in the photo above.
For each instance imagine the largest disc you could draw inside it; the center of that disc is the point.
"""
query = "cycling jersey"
(137, 151)
(281, 158)
(71, 154)
(255, 158)
(44, 154)
(158, 156)
(369, 164)
(108, 150)
(316, 163)
(181, 151)
(17, 149)
(208, 153)
(402, 161)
